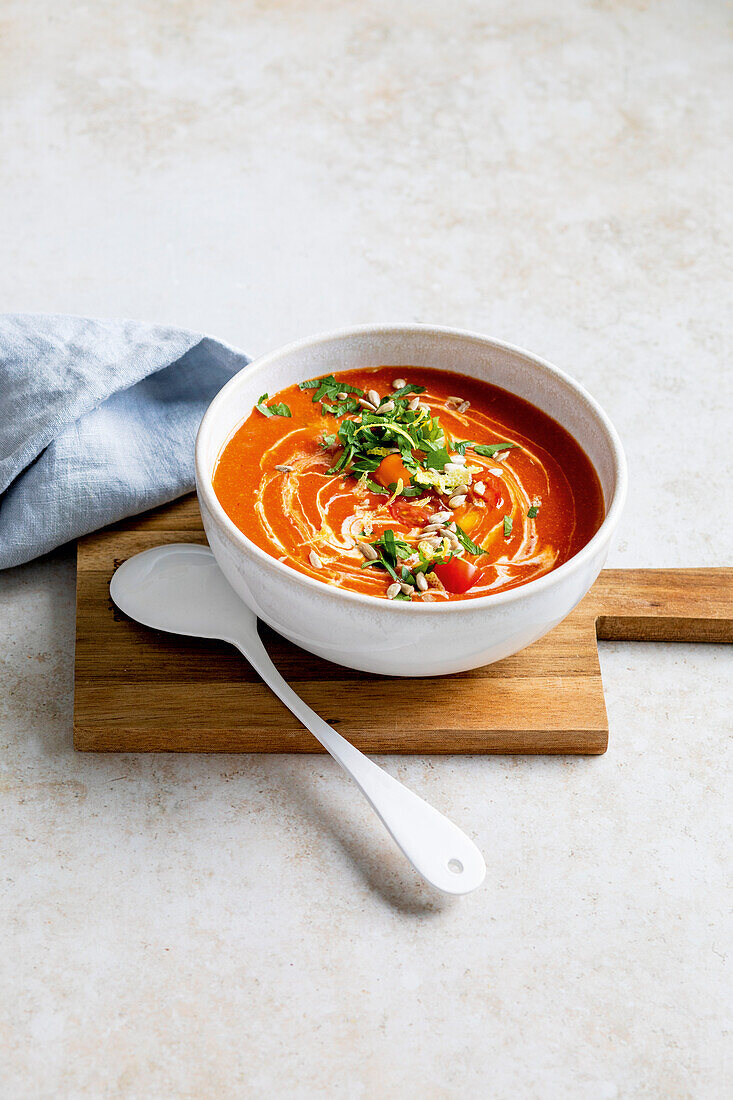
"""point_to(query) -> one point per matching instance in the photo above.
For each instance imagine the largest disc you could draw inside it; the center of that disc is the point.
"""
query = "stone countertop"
(201, 926)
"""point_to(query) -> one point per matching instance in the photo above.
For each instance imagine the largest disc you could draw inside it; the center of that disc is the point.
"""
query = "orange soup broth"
(290, 514)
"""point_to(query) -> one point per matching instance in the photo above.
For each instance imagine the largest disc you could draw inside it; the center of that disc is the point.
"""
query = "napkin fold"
(97, 422)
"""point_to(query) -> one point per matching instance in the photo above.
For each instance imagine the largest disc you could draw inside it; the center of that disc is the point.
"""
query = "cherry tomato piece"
(494, 490)
(457, 575)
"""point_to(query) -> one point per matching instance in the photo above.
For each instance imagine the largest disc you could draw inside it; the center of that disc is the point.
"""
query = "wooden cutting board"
(137, 690)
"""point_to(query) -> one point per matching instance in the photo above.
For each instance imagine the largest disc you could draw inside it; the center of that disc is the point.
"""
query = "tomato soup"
(409, 484)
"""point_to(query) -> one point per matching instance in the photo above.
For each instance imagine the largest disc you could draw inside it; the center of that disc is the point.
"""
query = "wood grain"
(137, 690)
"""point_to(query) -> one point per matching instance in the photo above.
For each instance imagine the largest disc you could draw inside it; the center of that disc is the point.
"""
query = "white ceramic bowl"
(400, 638)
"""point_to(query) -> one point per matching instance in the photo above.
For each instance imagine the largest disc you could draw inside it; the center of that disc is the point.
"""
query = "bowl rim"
(205, 488)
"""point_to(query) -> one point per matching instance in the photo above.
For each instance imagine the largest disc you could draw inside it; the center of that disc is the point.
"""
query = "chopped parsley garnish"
(368, 439)
(272, 410)
(487, 450)
(403, 391)
(507, 526)
(466, 542)
(436, 460)
(340, 408)
(391, 550)
(329, 387)
(533, 511)
(375, 487)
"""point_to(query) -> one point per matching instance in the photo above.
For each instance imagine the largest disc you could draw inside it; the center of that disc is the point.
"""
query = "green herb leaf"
(404, 390)
(374, 487)
(342, 461)
(272, 410)
(363, 464)
(533, 511)
(389, 568)
(437, 458)
(489, 450)
(311, 384)
(330, 386)
(466, 542)
(350, 406)
(507, 526)
(391, 550)
(396, 548)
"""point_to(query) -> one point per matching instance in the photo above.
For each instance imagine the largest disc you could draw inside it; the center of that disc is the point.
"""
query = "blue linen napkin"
(97, 422)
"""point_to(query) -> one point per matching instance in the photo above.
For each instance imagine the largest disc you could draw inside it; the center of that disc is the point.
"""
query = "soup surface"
(409, 484)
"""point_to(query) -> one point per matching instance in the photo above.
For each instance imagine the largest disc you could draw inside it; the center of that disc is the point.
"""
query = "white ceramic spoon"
(180, 588)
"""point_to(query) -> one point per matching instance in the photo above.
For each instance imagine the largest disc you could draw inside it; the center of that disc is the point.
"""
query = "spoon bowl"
(180, 589)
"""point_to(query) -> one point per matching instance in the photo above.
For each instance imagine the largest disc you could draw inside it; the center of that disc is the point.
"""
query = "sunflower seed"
(367, 405)
(421, 583)
(456, 502)
(342, 396)
(374, 397)
(394, 590)
(458, 460)
(412, 405)
(502, 456)
(398, 383)
(439, 517)
(387, 407)
(284, 469)
(423, 407)
(464, 407)
(368, 551)
(315, 560)
(406, 589)
(431, 529)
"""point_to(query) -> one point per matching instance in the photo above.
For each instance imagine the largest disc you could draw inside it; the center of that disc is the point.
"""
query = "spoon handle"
(436, 848)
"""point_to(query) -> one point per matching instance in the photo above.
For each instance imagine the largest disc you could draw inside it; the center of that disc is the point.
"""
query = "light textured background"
(554, 174)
